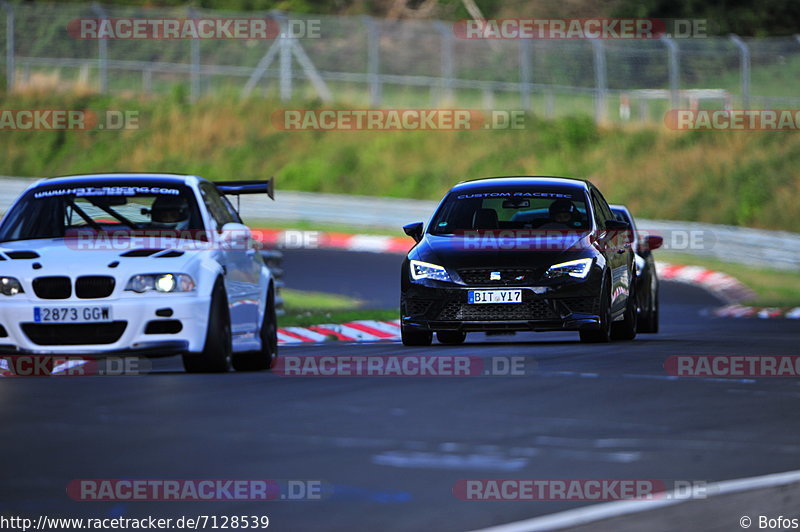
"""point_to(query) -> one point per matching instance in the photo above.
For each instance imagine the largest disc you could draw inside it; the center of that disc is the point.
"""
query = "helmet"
(169, 210)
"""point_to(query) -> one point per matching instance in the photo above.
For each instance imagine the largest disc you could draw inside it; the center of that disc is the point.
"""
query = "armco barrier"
(753, 247)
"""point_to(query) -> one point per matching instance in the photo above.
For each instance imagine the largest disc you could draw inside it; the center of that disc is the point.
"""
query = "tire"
(216, 354)
(451, 337)
(264, 358)
(603, 334)
(626, 329)
(415, 337)
(650, 319)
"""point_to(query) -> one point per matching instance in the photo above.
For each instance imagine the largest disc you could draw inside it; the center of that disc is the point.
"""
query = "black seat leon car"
(506, 254)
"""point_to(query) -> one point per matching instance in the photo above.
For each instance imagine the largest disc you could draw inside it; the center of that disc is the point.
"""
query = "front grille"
(529, 310)
(52, 287)
(582, 305)
(415, 307)
(74, 333)
(508, 276)
(94, 286)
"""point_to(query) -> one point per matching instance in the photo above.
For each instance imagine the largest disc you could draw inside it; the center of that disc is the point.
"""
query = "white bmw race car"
(136, 264)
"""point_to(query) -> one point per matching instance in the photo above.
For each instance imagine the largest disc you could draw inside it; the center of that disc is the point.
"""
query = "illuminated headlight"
(574, 268)
(161, 282)
(9, 286)
(426, 270)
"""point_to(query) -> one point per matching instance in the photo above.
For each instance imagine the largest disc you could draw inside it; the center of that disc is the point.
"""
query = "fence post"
(600, 81)
(674, 71)
(446, 33)
(11, 67)
(102, 49)
(194, 93)
(285, 59)
(373, 61)
(744, 55)
(525, 73)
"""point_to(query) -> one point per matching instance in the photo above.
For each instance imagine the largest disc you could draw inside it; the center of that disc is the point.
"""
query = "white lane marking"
(430, 460)
(599, 512)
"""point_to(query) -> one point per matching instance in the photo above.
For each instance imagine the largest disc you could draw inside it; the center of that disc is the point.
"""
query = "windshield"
(537, 208)
(60, 211)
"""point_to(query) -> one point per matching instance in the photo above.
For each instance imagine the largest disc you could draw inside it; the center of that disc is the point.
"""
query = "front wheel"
(649, 322)
(603, 334)
(216, 354)
(415, 337)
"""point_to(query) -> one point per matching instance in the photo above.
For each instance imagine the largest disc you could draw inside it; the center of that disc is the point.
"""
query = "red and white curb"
(740, 311)
(353, 331)
(283, 238)
(729, 288)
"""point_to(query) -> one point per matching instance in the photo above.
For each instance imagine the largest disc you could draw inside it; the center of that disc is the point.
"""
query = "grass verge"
(304, 308)
(773, 288)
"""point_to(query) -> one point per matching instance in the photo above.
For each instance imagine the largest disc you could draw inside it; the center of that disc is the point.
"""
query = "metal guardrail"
(752, 247)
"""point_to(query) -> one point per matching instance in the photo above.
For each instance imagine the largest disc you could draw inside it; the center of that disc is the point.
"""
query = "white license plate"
(71, 314)
(479, 297)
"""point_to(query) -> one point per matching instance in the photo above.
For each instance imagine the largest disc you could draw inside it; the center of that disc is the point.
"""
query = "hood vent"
(22, 254)
(141, 252)
(170, 254)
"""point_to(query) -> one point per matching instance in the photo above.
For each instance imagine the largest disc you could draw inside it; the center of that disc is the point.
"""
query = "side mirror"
(414, 230)
(652, 242)
(235, 236)
(616, 225)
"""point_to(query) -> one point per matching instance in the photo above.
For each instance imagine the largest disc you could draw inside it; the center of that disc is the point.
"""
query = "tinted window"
(59, 211)
(219, 208)
(518, 207)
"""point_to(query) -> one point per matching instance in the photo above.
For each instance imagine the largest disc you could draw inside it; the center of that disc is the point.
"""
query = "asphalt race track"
(389, 450)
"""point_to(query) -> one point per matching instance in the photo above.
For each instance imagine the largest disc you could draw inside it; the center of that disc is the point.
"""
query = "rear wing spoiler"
(236, 188)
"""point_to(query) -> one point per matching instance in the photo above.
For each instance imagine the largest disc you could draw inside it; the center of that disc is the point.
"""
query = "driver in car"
(171, 212)
(563, 215)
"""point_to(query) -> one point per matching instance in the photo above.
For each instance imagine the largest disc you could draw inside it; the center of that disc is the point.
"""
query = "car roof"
(502, 181)
(116, 177)
(623, 208)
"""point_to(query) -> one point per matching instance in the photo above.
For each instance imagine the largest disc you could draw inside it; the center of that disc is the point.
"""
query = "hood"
(35, 258)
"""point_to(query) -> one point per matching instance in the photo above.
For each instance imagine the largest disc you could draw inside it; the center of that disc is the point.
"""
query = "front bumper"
(568, 307)
(127, 335)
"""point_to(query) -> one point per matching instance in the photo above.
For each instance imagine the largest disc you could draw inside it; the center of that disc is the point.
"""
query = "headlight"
(9, 286)
(574, 268)
(161, 282)
(426, 270)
